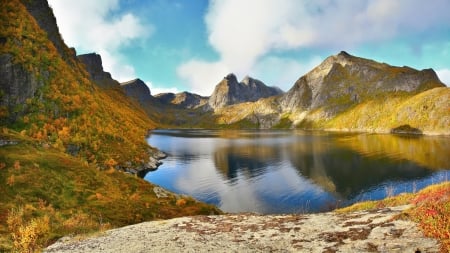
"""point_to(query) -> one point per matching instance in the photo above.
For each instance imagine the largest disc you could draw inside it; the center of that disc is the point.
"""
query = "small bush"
(27, 236)
(181, 202)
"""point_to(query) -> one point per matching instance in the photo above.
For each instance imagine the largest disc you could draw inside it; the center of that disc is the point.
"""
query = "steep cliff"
(43, 15)
(229, 91)
(94, 66)
(138, 90)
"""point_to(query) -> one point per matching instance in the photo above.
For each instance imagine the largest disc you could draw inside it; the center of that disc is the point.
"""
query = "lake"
(293, 171)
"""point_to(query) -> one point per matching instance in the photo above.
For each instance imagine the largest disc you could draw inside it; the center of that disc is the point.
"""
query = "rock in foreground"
(368, 231)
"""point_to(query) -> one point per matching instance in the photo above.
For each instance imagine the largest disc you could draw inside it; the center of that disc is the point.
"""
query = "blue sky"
(178, 45)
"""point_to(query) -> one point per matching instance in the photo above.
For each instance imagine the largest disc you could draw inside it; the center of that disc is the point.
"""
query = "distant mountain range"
(343, 93)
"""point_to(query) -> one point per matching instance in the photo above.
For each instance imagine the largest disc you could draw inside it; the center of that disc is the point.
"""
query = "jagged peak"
(136, 80)
(246, 80)
(344, 54)
(231, 77)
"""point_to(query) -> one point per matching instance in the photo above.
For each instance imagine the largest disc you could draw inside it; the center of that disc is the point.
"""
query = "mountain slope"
(64, 141)
(342, 80)
(348, 93)
(184, 100)
(137, 90)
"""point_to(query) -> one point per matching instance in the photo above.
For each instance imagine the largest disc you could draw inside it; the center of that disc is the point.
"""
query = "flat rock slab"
(368, 231)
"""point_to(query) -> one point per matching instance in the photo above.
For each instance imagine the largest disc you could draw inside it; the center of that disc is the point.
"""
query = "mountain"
(349, 93)
(94, 66)
(229, 91)
(185, 100)
(68, 144)
(137, 90)
(343, 80)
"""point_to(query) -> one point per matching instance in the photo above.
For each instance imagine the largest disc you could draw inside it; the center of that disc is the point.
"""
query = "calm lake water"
(295, 171)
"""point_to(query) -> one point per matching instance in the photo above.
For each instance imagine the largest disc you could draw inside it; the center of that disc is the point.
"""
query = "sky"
(181, 45)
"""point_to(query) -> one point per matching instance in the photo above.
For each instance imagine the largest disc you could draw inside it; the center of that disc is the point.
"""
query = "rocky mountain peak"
(344, 54)
(342, 80)
(137, 90)
(231, 78)
(229, 91)
(247, 80)
(94, 66)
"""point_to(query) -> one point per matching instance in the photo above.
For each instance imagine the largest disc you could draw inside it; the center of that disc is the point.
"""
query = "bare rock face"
(229, 91)
(184, 100)
(16, 86)
(342, 80)
(137, 90)
(94, 66)
(365, 231)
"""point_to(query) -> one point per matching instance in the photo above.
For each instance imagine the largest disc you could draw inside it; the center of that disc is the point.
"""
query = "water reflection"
(250, 160)
(294, 171)
(431, 152)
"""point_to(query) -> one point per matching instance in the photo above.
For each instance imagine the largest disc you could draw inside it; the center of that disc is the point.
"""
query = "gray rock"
(367, 231)
(343, 80)
(161, 193)
(16, 86)
(94, 66)
(183, 100)
(8, 142)
(137, 90)
(229, 91)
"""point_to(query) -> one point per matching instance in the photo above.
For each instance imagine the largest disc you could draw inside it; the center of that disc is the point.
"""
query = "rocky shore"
(366, 231)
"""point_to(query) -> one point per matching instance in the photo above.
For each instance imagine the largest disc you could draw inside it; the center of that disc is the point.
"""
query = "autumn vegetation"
(46, 192)
(430, 208)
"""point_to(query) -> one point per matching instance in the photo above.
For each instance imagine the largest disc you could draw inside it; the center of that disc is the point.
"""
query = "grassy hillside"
(428, 111)
(47, 193)
(68, 109)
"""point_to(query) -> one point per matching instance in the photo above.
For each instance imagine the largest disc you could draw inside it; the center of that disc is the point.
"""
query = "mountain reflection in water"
(295, 171)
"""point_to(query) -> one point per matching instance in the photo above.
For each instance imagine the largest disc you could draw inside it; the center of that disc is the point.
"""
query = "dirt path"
(371, 231)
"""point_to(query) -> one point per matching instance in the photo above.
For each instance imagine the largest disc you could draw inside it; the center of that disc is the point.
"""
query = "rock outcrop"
(365, 231)
(94, 66)
(16, 86)
(137, 90)
(229, 91)
(183, 100)
(342, 80)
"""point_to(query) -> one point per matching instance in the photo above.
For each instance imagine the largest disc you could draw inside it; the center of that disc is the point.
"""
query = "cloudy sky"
(177, 45)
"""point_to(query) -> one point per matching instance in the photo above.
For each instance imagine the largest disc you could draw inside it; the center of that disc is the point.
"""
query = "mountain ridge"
(229, 91)
(355, 78)
(336, 94)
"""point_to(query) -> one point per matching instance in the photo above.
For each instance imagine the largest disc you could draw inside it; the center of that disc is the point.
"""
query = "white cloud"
(243, 32)
(156, 89)
(444, 76)
(202, 76)
(92, 26)
(282, 72)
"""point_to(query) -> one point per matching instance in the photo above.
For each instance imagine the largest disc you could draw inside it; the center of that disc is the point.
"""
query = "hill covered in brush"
(65, 138)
